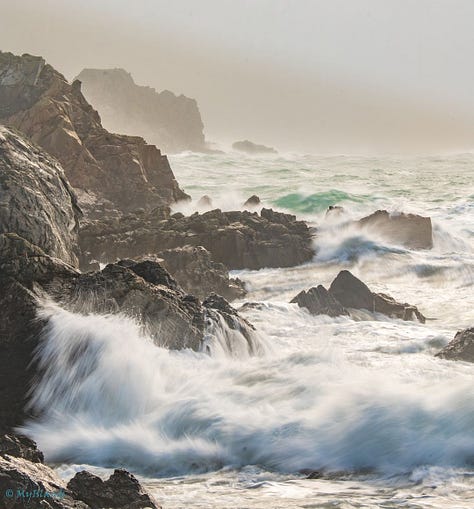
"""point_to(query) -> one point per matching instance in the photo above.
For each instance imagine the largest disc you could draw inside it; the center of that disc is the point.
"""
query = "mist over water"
(361, 397)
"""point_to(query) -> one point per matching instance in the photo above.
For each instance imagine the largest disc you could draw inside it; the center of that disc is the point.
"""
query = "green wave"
(317, 202)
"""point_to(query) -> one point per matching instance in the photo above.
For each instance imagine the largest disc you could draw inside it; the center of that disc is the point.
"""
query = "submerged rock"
(409, 230)
(351, 292)
(111, 171)
(252, 148)
(238, 239)
(36, 200)
(318, 301)
(461, 348)
(121, 491)
(205, 201)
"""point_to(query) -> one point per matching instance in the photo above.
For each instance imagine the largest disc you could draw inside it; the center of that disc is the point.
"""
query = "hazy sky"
(314, 75)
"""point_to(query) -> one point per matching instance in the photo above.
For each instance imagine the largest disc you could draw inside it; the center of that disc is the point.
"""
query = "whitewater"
(362, 400)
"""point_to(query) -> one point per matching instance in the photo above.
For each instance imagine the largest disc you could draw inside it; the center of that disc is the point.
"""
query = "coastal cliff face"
(169, 121)
(109, 171)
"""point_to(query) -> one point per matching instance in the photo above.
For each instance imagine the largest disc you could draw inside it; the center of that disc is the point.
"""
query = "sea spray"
(108, 396)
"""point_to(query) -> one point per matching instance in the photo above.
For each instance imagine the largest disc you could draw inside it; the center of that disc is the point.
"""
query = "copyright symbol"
(9, 493)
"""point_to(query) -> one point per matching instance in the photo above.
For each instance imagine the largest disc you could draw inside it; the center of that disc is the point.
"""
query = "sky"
(304, 75)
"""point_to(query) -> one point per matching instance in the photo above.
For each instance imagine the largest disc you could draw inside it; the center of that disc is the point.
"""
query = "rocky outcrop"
(461, 348)
(143, 290)
(162, 118)
(27, 484)
(20, 446)
(351, 292)
(409, 230)
(239, 239)
(318, 301)
(347, 292)
(36, 200)
(120, 491)
(252, 148)
(199, 275)
(109, 171)
(252, 202)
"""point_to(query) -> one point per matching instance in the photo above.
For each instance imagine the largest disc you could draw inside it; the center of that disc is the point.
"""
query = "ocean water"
(363, 399)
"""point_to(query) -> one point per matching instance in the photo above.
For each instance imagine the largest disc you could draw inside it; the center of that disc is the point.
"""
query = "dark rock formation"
(461, 348)
(318, 301)
(334, 211)
(252, 148)
(199, 275)
(170, 122)
(142, 290)
(205, 201)
(36, 201)
(121, 491)
(109, 170)
(409, 230)
(34, 485)
(353, 293)
(252, 202)
(239, 239)
(20, 446)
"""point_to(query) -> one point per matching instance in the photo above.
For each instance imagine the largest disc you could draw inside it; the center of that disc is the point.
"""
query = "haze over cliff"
(172, 123)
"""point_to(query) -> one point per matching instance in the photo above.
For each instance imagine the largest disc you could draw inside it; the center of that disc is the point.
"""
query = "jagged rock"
(252, 148)
(36, 201)
(109, 170)
(27, 484)
(20, 446)
(253, 201)
(205, 201)
(409, 230)
(239, 239)
(164, 119)
(353, 293)
(199, 275)
(121, 491)
(142, 290)
(318, 301)
(461, 348)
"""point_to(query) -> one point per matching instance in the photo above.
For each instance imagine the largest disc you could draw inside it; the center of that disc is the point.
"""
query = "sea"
(361, 400)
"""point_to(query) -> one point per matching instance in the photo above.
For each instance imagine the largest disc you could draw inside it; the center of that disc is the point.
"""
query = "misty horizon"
(310, 78)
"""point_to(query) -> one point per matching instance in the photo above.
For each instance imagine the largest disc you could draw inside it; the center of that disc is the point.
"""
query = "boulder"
(205, 202)
(36, 200)
(109, 171)
(351, 292)
(252, 148)
(238, 239)
(34, 485)
(171, 122)
(20, 446)
(198, 274)
(334, 211)
(409, 230)
(318, 301)
(120, 491)
(461, 348)
(252, 202)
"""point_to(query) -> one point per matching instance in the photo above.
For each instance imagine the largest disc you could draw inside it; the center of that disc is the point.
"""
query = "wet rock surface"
(318, 301)
(110, 171)
(461, 348)
(409, 230)
(239, 239)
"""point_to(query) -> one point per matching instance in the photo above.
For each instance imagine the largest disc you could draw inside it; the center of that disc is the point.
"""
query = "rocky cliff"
(109, 171)
(169, 121)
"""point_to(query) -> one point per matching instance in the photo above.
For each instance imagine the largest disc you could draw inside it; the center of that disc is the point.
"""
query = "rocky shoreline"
(86, 224)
